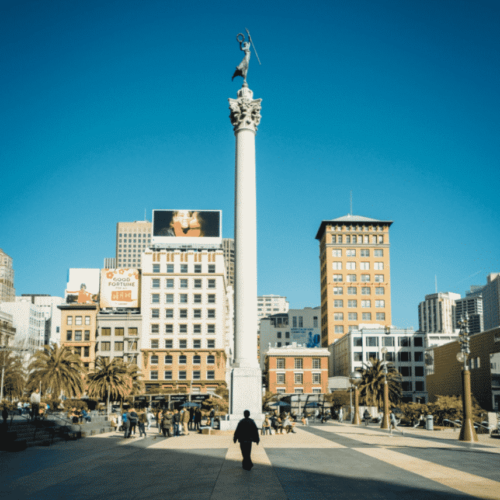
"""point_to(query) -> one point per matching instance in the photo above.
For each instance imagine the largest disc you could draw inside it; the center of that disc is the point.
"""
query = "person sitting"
(304, 420)
(86, 416)
(288, 425)
(266, 426)
(74, 415)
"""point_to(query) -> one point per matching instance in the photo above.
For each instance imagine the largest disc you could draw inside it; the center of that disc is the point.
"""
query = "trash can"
(429, 422)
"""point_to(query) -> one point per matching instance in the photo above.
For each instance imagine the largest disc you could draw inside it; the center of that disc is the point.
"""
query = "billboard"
(119, 288)
(187, 226)
(83, 286)
(308, 337)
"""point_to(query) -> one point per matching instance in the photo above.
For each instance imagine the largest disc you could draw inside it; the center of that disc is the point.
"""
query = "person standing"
(197, 419)
(150, 417)
(126, 425)
(246, 433)
(142, 422)
(35, 403)
(393, 424)
(167, 424)
(185, 421)
(341, 415)
(367, 417)
(177, 420)
(212, 417)
(134, 418)
(159, 418)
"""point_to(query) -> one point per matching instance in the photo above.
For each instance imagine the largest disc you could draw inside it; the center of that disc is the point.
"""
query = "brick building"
(297, 370)
(444, 372)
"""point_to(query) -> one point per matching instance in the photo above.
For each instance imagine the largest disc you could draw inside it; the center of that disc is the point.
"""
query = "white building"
(51, 313)
(405, 350)
(271, 304)
(228, 247)
(186, 307)
(297, 326)
(7, 290)
(29, 322)
(132, 239)
(437, 313)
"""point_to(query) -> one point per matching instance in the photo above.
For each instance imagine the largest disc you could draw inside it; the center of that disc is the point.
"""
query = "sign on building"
(308, 337)
(83, 286)
(120, 288)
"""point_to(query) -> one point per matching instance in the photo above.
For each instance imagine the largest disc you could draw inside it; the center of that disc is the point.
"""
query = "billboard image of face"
(185, 224)
(119, 288)
(83, 286)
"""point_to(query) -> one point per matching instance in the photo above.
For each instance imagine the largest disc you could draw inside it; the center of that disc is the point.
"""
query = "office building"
(405, 351)
(110, 263)
(355, 275)
(297, 326)
(228, 248)
(132, 239)
(268, 305)
(296, 370)
(187, 319)
(7, 290)
(7, 330)
(491, 301)
(437, 313)
(472, 307)
(52, 315)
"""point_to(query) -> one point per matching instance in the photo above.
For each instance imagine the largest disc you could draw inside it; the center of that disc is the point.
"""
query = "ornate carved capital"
(245, 111)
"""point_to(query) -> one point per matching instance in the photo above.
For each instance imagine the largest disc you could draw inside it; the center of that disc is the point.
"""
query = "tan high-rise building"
(355, 275)
(132, 239)
(7, 290)
(228, 247)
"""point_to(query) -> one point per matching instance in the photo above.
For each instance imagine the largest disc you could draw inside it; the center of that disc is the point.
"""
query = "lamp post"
(467, 432)
(355, 379)
(385, 418)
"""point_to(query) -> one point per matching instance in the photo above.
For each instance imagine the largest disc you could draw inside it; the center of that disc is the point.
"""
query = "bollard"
(429, 422)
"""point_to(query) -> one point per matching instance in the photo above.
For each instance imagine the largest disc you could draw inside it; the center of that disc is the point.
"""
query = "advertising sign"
(309, 337)
(178, 397)
(186, 226)
(83, 286)
(119, 288)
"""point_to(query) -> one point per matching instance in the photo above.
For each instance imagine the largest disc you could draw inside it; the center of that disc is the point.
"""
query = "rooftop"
(349, 218)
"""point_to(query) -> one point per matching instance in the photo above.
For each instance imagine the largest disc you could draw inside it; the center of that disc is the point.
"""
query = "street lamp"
(467, 432)
(355, 379)
(385, 418)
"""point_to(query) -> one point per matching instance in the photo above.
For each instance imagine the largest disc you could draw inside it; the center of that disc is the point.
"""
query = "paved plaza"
(317, 462)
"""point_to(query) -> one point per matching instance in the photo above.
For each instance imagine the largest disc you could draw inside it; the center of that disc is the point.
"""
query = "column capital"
(245, 111)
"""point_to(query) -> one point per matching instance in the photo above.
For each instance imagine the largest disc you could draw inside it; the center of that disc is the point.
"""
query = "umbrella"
(279, 403)
(189, 404)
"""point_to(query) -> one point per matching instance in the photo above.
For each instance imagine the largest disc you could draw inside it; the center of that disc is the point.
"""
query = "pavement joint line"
(464, 482)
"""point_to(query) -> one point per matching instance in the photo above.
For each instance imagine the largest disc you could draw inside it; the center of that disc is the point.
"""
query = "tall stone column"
(246, 376)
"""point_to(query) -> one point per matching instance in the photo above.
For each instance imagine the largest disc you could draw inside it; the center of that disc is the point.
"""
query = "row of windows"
(183, 298)
(362, 253)
(183, 329)
(79, 335)
(387, 341)
(78, 320)
(184, 268)
(183, 313)
(358, 228)
(358, 240)
(119, 331)
(352, 290)
(352, 316)
(298, 378)
(364, 266)
(182, 375)
(168, 360)
(85, 352)
(106, 346)
(298, 363)
(403, 357)
(183, 344)
(354, 303)
(182, 283)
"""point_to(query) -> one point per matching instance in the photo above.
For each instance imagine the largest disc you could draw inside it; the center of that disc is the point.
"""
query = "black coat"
(246, 431)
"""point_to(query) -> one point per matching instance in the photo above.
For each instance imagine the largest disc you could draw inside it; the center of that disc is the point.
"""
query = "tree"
(268, 398)
(371, 388)
(58, 370)
(14, 379)
(338, 399)
(113, 379)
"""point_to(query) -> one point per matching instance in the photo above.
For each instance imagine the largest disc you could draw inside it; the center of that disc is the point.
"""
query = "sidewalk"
(318, 462)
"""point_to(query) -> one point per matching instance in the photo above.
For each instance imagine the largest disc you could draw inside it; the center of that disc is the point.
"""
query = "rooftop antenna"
(351, 203)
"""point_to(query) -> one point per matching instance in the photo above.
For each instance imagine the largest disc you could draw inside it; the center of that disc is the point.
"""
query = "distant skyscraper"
(7, 290)
(132, 239)
(437, 313)
(110, 263)
(355, 275)
(52, 315)
(491, 301)
(228, 247)
(472, 304)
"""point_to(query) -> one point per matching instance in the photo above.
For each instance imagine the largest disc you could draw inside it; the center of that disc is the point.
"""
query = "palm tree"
(135, 374)
(58, 370)
(14, 374)
(372, 384)
(110, 379)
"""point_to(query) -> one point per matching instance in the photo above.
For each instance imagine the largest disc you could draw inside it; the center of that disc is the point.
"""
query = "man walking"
(142, 422)
(126, 424)
(246, 433)
(134, 418)
(185, 421)
(177, 420)
(393, 424)
(35, 403)
(167, 424)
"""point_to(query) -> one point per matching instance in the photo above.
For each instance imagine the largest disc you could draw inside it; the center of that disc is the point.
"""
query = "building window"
(156, 283)
(182, 375)
(184, 283)
(338, 303)
(337, 278)
(419, 371)
(298, 378)
(358, 356)
(315, 322)
(316, 363)
(371, 356)
(419, 357)
(210, 375)
(210, 360)
(339, 329)
(298, 363)
(278, 335)
(211, 298)
(351, 266)
(154, 344)
(169, 313)
(183, 329)
(379, 278)
(316, 378)
(196, 359)
(211, 268)
(87, 320)
(280, 363)
(169, 298)
(357, 342)
(352, 303)
(105, 346)
(280, 378)
(418, 341)
(155, 313)
(78, 336)
(365, 290)
(154, 359)
(78, 320)
(210, 329)
(211, 283)
(69, 320)
(69, 335)
(372, 341)
(197, 268)
(365, 266)
(352, 316)
(211, 313)
(182, 360)
(197, 344)
(379, 290)
(170, 268)
(404, 357)
(197, 298)
(156, 268)
(196, 375)
(336, 253)
(380, 303)
(154, 375)
(365, 278)
(366, 303)
(378, 253)
(294, 321)
(169, 328)
(404, 342)
(183, 298)
(337, 266)
(338, 316)
(106, 332)
(378, 266)
(211, 344)
(197, 283)
(381, 316)
(197, 329)
(87, 335)
(197, 313)
(300, 391)
(86, 352)
(183, 344)
(170, 283)
(155, 329)
(365, 253)
(351, 290)
(169, 344)
(184, 268)
(338, 290)
(168, 375)
(388, 341)
(155, 298)
(168, 360)
(183, 313)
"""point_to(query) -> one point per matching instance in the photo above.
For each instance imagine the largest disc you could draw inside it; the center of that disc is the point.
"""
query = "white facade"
(52, 315)
(7, 291)
(406, 351)
(267, 305)
(437, 313)
(297, 326)
(29, 322)
(185, 301)
(228, 247)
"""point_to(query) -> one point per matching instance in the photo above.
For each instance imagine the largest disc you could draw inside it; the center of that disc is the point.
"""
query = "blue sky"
(116, 107)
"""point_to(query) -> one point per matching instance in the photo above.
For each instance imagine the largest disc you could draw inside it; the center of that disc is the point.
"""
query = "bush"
(80, 405)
